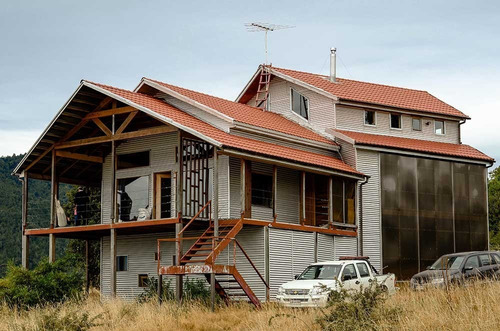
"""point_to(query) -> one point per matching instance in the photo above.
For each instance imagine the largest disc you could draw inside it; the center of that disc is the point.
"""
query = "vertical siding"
(235, 187)
(224, 190)
(321, 110)
(353, 119)
(290, 252)
(348, 152)
(288, 194)
(368, 163)
(344, 246)
(261, 212)
(162, 158)
(325, 248)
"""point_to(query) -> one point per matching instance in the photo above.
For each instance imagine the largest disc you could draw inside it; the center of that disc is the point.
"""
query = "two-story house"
(300, 168)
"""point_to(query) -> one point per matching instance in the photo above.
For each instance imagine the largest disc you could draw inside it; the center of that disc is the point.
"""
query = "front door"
(350, 280)
(163, 195)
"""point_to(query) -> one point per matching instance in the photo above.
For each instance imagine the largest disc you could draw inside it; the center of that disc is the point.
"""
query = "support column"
(178, 255)
(246, 188)
(275, 192)
(112, 255)
(113, 174)
(178, 227)
(52, 248)
(53, 191)
(87, 276)
(302, 197)
(330, 200)
(25, 239)
(215, 205)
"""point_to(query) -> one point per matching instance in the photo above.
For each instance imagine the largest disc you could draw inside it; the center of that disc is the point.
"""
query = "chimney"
(333, 64)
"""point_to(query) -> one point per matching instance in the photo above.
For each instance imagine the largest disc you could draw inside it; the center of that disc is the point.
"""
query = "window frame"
(144, 282)
(374, 118)
(470, 258)
(118, 198)
(133, 167)
(419, 119)
(359, 271)
(126, 263)
(400, 121)
(307, 103)
(355, 271)
(271, 202)
(444, 127)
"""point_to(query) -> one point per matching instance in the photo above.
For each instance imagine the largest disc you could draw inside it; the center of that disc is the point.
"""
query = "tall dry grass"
(472, 308)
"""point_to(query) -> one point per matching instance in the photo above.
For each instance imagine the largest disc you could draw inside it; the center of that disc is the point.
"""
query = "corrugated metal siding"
(325, 248)
(285, 143)
(321, 110)
(348, 152)
(224, 187)
(290, 252)
(196, 112)
(344, 246)
(288, 194)
(162, 158)
(368, 163)
(235, 187)
(353, 119)
(260, 212)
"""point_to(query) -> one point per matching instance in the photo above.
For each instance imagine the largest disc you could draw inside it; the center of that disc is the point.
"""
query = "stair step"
(192, 261)
(201, 249)
(193, 255)
(227, 280)
(232, 288)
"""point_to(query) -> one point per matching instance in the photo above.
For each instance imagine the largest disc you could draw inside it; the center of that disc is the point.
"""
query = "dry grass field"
(473, 308)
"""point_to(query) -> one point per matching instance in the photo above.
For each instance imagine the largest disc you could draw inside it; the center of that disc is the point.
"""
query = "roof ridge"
(114, 87)
(415, 139)
(355, 80)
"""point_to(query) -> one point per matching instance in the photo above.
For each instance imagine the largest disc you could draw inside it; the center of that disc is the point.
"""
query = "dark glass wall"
(430, 208)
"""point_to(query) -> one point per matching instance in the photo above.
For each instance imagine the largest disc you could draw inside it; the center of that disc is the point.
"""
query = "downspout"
(460, 131)
(360, 225)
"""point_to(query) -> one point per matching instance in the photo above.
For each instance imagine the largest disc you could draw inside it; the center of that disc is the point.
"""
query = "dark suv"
(458, 268)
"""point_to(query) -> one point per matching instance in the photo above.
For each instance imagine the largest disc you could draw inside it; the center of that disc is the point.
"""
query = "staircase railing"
(196, 216)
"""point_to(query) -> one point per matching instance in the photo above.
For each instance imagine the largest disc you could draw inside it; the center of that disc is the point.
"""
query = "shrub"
(196, 289)
(193, 290)
(151, 291)
(47, 283)
(70, 321)
(356, 310)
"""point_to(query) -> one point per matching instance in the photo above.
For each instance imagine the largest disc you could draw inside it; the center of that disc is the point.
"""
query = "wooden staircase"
(201, 258)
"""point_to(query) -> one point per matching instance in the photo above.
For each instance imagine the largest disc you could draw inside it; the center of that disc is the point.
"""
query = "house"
(245, 194)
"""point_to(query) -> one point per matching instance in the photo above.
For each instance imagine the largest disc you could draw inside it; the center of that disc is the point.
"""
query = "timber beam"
(109, 112)
(78, 156)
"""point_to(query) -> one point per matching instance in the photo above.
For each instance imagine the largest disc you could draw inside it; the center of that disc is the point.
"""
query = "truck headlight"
(281, 290)
(437, 280)
(318, 290)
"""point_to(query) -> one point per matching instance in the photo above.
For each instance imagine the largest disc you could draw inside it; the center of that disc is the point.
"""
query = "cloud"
(17, 141)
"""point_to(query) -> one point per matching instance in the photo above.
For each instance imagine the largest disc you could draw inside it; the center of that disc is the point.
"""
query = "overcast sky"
(449, 48)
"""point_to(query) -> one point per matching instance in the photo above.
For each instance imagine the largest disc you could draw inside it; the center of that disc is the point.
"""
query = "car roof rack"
(364, 258)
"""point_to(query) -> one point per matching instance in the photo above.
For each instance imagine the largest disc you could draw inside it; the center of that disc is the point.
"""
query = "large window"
(132, 160)
(262, 190)
(300, 104)
(395, 121)
(133, 198)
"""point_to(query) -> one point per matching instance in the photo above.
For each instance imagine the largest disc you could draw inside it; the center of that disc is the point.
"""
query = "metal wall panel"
(344, 246)
(353, 119)
(235, 187)
(368, 163)
(325, 248)
(288, 195)
(348, 152)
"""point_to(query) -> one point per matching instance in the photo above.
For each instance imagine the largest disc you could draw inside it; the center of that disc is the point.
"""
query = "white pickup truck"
(313, 286)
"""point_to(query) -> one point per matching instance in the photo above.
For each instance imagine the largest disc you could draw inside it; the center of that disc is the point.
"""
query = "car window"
(363, 270)
(485, 260)
(349, 270)
(495, 259)
(472, 262)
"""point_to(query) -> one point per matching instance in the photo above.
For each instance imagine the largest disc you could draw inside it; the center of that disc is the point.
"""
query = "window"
(439, 127)
(338, 198)
(143, 280)
(472, 262)
(132, 197)
(395, 121)
(122, 263)
(321, 272)
(485, 260)
(416, 124)
(344, 197)
(268, 102)
(300, 104)
(350, 272)
(363, 270)
(132, 160)
(370, 117)
(262, 190)
(163, 192)
(350, 192)
(495, 259)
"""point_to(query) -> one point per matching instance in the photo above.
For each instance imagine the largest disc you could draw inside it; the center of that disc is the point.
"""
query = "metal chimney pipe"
(333, 64)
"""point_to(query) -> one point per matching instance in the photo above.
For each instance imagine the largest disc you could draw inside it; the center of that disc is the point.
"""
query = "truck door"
(364, 275)
(487, 266)
(350, 280)
(471, 268)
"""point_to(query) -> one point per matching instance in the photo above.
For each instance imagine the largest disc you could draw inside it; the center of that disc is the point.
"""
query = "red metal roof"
(385, 95)
(248, 114)
(431, 147)
(226, 139)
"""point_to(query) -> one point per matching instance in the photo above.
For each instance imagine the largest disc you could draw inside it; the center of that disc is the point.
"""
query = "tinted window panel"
(132, 160)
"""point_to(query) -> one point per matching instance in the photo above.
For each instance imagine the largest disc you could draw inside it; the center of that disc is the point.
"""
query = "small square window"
(395, 121)
(416, 124)
(439, 127)
(143, 280)
(121, 263)
(300, 104)
(262, 190)
(369, 117)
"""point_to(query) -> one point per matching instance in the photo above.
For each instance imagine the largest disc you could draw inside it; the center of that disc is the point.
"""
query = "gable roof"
(431, 147)
(377, 94)
(182, 119)
(247, 114)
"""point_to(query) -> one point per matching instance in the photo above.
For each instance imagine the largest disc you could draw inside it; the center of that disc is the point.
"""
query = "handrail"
(251, 263)
(195, 217)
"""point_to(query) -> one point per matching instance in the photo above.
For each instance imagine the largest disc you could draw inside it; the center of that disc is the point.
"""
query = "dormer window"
(395, 121)
(370, 117)
(300, 104)
(439, 127)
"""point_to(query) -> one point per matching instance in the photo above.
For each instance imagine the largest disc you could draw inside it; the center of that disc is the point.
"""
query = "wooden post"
(52, 248)
(113, 173)
(179, 205)
(215, 213)
(25, 239)
(275, 192)
(160, 288)
(87, 276)
(330, 201)
(302, 197)
(53, 191)
(113, 262)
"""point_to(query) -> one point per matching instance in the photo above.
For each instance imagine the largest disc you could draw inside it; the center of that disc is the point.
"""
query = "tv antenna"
(266, 27)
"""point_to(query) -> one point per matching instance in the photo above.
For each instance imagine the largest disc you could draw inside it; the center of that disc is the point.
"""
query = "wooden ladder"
(263, 88)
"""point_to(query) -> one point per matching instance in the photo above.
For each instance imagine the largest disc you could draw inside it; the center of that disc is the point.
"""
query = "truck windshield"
(321, 272)
(447, 262)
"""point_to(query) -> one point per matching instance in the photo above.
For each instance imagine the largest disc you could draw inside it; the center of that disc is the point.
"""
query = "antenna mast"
(266, 27)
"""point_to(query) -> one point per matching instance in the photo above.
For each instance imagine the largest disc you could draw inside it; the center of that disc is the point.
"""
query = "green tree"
(494, 208)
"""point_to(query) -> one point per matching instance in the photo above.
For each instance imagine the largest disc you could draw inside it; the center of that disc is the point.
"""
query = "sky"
(449, 48)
